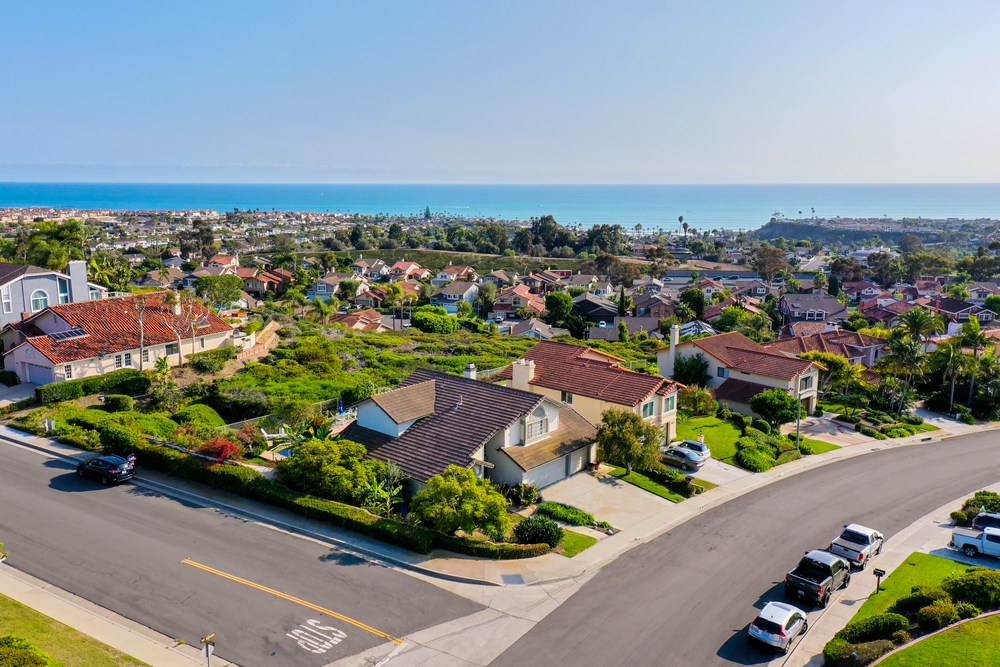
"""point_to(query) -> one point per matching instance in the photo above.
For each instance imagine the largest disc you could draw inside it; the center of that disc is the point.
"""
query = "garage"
(37, 374)
(549, 473)
(578, 460)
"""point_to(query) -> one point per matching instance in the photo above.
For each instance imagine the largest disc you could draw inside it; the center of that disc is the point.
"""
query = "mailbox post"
(878, 579)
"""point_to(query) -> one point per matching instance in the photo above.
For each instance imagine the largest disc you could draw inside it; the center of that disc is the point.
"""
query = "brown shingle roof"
(574, 433)
(406, 403)
(739, 352)
(739, 391)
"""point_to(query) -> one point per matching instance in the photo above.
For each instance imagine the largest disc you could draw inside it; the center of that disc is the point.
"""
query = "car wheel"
(79, 472)
(863, 564)
(847, 581)
(970, 551)
(685, 467)
(825, 601)
(105, 480)
(805, 626)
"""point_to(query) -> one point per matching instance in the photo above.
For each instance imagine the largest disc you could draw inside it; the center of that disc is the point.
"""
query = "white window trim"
(32, 300)
(145, 356)
(118, 362)
(59, 284)
(8, 304)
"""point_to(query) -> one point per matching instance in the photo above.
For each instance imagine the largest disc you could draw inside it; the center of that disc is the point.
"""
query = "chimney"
(675, 340)
(25, 315)
(78, 288)
(523, 374)
(470, 371)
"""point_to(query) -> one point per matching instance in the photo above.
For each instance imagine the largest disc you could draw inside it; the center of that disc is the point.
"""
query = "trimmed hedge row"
(878, 626)
(247, 482)
(212, 361)
(566, 513)
(9, 378)
(19, 652)
(127, 381)
(840, 653)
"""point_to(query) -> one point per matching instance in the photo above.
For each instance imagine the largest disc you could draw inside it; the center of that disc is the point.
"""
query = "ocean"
(652, 206)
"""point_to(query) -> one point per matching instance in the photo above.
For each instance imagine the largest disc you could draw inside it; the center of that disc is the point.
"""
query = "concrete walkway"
(16, 393)
(929, 534)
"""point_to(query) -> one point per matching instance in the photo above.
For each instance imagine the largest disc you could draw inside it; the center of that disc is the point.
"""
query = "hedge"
(790, 455)
(118, 403)
(838, 653)
(199, 413)
(878, 626)
(754, 460)
(212, 361)
(121, 381)
(922, 596)
(978, 586)
(247, 482)
(538, 530)
(565, 513)
(936, 616)
(9, 378)
(762, 426)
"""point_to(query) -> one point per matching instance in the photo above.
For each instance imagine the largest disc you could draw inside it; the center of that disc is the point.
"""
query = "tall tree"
(768, 261)
(625, 439)
(951, 361)
(219, 291)
(973, 336)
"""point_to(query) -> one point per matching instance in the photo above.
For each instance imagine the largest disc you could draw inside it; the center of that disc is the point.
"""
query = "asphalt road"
(122, 548)
(686, 598)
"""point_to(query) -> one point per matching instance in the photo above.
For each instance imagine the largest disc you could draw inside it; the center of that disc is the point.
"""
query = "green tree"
(463, 307)
(625, 439)
(833, 289)
(321, 309)
(335, 469)
(951, 361)
(623, 303)
(692, 370)
(836, 369)
(993, 303)
(730, 318)
(973, 336)
(622, 332)
(559, 305)
(775, 406)
(219, 291)
(456, 499)
(920, 324)
(349, 287)
(768, 261)
(52, 245)
(487, 297)
(694, 299)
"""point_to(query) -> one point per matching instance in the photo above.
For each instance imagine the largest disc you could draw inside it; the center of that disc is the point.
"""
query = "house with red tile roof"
(593, 381)
(402, 270)
(223, 261)
(454, 272)
(740, 368)
(853, 346)
(361, 320)
(75, 340)
(509, 300)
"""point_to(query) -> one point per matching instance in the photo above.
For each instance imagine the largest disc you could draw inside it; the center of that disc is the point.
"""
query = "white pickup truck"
(972, 542)
(857, 544)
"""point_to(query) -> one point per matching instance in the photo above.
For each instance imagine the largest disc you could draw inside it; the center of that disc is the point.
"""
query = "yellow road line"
(296, 600)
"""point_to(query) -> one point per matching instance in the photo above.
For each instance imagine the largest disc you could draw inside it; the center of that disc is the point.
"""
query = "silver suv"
(778, 624)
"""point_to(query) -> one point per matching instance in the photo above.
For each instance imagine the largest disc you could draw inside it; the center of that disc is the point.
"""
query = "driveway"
(609, 499)
(14, 394)
(719, 472)
(828, 429)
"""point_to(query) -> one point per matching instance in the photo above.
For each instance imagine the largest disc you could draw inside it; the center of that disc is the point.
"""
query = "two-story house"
(223, 261)
(960, 312)
(402, 270)
(861, 290)
(510, 300)
(593, 381)
(653, 304)
(594, 308)
(739, 368)
(855, 347)
(374, 269)
(544, 282)
(26, 290)
(811, 307)
(449, 295)
(454, 272)
(433, 420)
(501, 278)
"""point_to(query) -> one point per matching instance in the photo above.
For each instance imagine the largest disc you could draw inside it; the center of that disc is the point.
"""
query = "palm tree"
(321, 309)
(906, 357)
(680, 219)
(920, 324)
(973, 336)
(295, 297)
(951, 361)
(683, 313)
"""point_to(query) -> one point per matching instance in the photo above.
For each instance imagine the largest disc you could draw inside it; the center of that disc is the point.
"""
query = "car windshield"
(767, 626)
(851, 536)
(696, 446)
(812, 570)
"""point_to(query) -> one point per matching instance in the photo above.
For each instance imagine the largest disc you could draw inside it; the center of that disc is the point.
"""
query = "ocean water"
(652, 206)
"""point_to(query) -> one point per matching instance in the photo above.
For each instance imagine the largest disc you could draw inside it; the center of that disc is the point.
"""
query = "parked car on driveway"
(972, 542)
(817, 576)
(108, 469)
(682, 458)
(778, 624)
(698, 448)
(986, 520)
(857, 544)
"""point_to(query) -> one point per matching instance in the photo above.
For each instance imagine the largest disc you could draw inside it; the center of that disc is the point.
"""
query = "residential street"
(267, 595)
(687, 597)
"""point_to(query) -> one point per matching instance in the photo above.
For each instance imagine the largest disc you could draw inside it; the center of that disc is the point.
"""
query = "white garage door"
(38, 374)
(577, 460)
(550, 473)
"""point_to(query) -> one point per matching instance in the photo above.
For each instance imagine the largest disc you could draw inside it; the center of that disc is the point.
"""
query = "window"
(118, 361)
(537, 428)
(128, 358)
(5, 298)
(39, 301)
(63, 290)
(95, 294)
(805, 383)
(669, 403)
(723, 372)
(648, 409)
(172, 348)
(145, 356)
(567, 398)
(68, 372)
(201, 342)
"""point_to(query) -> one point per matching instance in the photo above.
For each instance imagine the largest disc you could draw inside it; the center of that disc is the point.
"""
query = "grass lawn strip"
(647, 484)
(918, 568)
(720, 435)
(820, 446)
(972, 644)
(69, 646)
(573, 543)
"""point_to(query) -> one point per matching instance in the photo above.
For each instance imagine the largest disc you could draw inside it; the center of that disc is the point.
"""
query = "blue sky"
(503, 92)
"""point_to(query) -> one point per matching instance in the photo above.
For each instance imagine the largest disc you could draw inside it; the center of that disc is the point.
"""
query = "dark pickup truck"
(818, 574)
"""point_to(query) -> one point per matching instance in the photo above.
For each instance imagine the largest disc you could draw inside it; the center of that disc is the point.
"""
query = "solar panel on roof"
(64, 335)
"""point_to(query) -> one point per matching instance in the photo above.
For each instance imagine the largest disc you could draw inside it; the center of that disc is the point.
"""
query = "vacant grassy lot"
(972, 644)
(918, 568)
(69, 646)
(720, 435)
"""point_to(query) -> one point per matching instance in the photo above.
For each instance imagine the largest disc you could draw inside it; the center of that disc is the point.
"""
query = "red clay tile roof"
(561, 366)
(738, 391)
(112, 327)
(739, 352)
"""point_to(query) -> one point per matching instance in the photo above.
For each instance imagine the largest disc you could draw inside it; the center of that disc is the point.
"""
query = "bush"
(741, 420)
(901, 637)
(199, 414)
(498, 550)
(915, 420)
(119, 403)
(19, 652)
(432, 323)
(818, 412)
(806, 448)
(566, 513)
(979, 587)
(878, 626)
(790, 455)
(9, 378)
(849, 419)
(57, 392)
(135, 386)
(988, 500)
(524, 494)
(762, 426)
(920, 597)
(936, 616)
(869, 431)
(966, 418)
(754, 460)
(960, 518)
(212, 361)
(538, 530)
(220, 449)
(966, 610)
(838, 653)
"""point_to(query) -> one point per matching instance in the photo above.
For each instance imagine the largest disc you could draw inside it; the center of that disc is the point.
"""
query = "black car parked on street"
(108, 469)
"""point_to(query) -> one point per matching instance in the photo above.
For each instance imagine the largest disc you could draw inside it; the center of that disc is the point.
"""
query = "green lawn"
(820, 446)
(833, 406)
(651, 485)
(573, 543)
(720, 435)
(918, 568)
(71, 647)
(972, 644)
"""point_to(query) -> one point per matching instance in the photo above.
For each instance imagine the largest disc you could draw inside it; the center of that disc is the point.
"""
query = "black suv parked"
(108, 469)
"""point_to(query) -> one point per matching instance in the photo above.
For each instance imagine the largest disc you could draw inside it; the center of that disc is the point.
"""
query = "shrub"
(566, 513)
(19, 652)
(741, 420)
(960, 518)
(212, 361)
(806, 448)
(849, 419)
(966, 418)
(119, 403)
(754, 460)
(220, 449)
(966, 610)
(135, 386)
(878, 626)
(922, 596)
(69, 390)
(979, 587)
(9, 378)
(538, 530)
(838, 653)
(524, 494)
(252, 440)
(936, 616)
(818, 412)
(988, 500)
(869, 431)
(755, 433)
(762, 426)
(790, 455)
(199, 414)
(915, 420)
(901, 637)
(87, 440)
